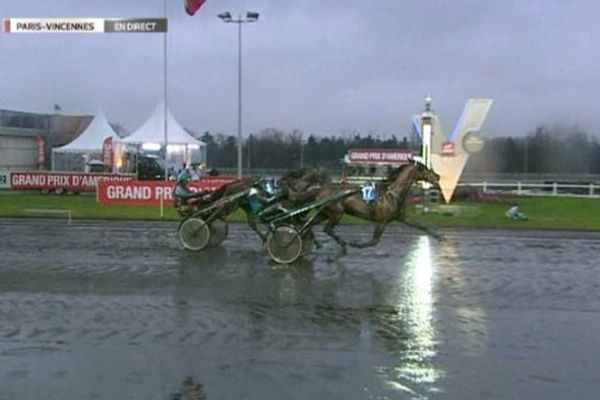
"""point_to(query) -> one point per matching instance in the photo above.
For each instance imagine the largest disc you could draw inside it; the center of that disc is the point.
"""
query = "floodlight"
(225, 16)
(252, 16)
(151, 146)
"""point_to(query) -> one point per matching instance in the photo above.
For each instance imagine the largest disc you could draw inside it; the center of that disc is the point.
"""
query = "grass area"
(81, 206)
(543, 212)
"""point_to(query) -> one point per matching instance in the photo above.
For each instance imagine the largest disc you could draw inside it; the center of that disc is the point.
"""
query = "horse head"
(410, 173)
(422, 173)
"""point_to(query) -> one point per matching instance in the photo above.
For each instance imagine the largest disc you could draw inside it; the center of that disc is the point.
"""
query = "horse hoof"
(439, 238)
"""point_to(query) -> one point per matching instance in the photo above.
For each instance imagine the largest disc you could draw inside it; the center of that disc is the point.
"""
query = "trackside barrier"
(522, 188)
(149, 192)
(50, 211)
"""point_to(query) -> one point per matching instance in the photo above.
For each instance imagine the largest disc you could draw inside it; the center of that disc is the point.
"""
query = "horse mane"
(295, 174)
(221, 191)
(320, 173)
(395, 173)
(305, 175)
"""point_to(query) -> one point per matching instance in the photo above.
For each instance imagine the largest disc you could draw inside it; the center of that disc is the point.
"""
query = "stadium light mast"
(227, 18)
(426, 132)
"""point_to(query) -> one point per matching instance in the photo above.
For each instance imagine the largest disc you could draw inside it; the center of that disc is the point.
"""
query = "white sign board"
(4, 179)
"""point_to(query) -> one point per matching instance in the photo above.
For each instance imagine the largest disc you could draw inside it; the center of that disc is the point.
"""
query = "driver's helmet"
(269, 187)
(183, 177)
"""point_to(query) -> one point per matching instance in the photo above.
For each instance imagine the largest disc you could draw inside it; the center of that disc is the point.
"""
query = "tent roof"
(153, 130)
(92, 138)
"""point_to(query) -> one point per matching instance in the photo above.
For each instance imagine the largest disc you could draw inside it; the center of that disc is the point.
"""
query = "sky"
(324, 67)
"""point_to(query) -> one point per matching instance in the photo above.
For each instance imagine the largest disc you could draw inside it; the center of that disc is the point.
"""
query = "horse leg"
(251, 218)
(421, 228)
(332, 218)
(318, 244)
(329, 230)
(377, 232)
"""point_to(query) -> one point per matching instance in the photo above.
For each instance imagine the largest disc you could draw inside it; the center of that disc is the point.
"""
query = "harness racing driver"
(186, 200)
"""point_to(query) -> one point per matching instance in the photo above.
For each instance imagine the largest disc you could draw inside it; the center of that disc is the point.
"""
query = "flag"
(191, 6)
(107, 154)
(39, 141)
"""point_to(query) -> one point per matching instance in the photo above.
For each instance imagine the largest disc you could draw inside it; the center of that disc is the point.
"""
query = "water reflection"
(414, 371)
(455, 278)
(386, 316)
(392, 306)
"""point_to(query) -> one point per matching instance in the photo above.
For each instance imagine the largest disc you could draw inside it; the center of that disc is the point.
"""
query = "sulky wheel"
(194, 234)
(284, 244)
(218, 232)
(308, 242)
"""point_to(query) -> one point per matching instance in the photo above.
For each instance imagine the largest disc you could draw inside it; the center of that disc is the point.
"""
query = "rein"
(398, 189)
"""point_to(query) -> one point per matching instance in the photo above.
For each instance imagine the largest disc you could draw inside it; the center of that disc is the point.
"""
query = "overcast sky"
(320, 66)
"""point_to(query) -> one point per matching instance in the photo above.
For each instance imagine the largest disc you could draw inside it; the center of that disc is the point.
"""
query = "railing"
(528, 177)
(540, 189)
(47, 211)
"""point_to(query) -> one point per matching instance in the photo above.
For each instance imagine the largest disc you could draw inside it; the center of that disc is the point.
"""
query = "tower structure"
(448, 155)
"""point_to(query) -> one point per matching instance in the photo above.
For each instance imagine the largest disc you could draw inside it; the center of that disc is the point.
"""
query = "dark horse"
(389, 206)
(299, 187)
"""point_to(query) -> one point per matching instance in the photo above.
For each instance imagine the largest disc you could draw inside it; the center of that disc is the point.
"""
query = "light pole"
(250, 17)
(426, 132)
(301, 152)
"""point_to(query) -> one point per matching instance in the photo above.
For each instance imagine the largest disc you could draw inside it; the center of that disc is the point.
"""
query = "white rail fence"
(538, 189)
(46, 211)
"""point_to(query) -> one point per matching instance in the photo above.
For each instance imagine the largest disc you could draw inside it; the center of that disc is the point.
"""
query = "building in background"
(27, 139)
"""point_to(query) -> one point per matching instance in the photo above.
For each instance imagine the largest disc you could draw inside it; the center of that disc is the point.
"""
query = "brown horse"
(389, 206)
(299, 187)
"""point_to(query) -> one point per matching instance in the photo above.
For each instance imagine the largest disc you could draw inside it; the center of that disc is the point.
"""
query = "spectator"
(514, 213)
(201, 170)
(172, 174)
(194, 173)
(182, 169)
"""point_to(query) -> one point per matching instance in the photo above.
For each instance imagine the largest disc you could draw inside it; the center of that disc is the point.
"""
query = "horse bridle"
(396, 192)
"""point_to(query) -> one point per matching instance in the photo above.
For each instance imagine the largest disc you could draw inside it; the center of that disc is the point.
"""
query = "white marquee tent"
(85, 147)
(181, 146)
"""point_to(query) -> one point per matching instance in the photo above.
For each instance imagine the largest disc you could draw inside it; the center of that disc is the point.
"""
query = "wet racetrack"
(117, 310)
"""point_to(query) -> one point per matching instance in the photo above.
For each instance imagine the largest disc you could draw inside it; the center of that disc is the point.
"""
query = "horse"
(389, 206)
(295, 188)
(302, 186)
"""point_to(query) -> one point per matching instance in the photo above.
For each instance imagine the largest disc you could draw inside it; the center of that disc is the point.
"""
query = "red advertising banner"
(379, 156)
(448, 148)
(107, 153)
(73, 181)
(148, 192)
(39, 140)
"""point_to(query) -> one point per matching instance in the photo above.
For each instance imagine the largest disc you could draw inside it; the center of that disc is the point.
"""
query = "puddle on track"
(105, 310)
